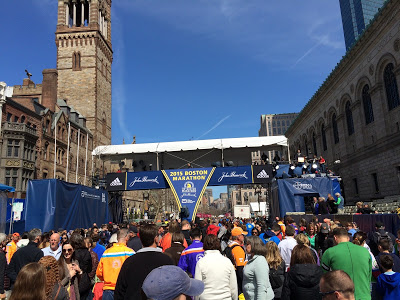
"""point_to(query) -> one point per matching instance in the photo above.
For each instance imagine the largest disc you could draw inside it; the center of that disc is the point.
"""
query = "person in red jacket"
(213, 228)
(165, 242)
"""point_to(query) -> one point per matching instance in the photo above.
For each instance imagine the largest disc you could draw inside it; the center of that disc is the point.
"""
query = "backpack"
(228, 253)
(275, 279)
(385, 236)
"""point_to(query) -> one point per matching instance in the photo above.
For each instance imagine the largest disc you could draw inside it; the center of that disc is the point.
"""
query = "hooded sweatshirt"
(389, 285)
(212, 229)
(269, 236)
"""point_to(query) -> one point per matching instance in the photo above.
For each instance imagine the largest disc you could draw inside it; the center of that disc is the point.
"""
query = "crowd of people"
(254, 259)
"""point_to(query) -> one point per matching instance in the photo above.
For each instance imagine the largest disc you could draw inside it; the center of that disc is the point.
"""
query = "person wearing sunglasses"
(69, 270)
(336, 285)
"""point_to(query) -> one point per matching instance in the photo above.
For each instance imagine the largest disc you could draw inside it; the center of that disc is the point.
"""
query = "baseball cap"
(168, 282)
(16, 234)
(238, 231)
(324, 228)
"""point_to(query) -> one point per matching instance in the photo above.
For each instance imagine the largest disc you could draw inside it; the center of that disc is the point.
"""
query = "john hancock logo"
(189, 189)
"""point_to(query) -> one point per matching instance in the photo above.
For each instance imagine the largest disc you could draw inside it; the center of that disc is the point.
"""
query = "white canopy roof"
(250, 142)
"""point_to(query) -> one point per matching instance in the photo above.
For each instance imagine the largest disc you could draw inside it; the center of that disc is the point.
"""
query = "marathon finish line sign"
(130, 181)
(188, 186)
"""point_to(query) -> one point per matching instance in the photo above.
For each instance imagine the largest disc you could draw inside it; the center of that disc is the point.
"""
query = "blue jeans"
(108, 295)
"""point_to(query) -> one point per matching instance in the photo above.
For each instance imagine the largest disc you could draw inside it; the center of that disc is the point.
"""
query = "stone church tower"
(84, 58)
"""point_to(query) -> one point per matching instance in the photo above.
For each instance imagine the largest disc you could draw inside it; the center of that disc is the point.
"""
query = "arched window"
(323, 135)
(22, 119)
(335, 129)
(46, 150)
(76, 61)
(314, 143)
(368, 111)
(392, 90)
(349, 119)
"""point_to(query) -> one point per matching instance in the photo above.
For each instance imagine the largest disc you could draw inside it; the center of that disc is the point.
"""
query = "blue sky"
(197, 69)
(192, 69)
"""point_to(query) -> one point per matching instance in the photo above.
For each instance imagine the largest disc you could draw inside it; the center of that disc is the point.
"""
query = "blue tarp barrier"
(291, 191)
(53, 204)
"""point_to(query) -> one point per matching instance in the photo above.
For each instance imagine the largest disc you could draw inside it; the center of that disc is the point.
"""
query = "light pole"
(258, 190)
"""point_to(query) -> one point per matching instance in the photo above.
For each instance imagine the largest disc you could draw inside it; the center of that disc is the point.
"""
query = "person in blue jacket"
(191, 255)
(388, 284)
(271, 235)
(249, 227)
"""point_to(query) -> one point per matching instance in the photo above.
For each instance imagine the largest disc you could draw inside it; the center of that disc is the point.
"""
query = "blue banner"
(145, 180)
(292, 192)
(188, 186)
(53, 204)
(231, 175)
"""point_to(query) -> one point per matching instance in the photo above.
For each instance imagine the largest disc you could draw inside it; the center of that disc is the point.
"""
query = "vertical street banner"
(188, 186)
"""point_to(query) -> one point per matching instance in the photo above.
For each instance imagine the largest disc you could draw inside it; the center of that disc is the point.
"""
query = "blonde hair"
(333, 226)
(273, 256)
(302, 239)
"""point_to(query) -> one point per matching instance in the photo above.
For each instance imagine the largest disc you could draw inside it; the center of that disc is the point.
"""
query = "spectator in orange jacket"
(11, 247)
(111, 262)
(165, 242)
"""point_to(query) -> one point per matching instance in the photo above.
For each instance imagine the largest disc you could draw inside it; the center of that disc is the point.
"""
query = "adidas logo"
(263, 174)
(116, 182)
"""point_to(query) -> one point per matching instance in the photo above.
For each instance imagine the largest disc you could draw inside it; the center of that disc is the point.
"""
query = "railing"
(19, 127)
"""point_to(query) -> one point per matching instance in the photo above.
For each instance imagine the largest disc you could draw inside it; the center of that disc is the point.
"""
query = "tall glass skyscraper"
(356, 15)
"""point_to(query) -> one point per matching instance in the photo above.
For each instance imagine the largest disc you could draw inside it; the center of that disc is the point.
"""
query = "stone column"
(329, 153)
(74, 13)
(380, 109)
(83, 13)
(343, 135)
(359, 124)
(67, 14)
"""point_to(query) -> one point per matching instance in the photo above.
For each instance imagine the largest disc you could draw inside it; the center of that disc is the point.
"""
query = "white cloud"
(214, 127)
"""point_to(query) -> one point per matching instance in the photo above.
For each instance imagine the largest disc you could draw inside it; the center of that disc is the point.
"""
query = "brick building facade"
(50, 129)
(353, 119)
(35, 142)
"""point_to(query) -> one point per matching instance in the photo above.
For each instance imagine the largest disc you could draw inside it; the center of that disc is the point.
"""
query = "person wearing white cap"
(171, 283)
